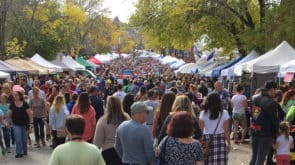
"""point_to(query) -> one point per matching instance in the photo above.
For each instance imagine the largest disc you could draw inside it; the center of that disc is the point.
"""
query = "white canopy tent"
(4, 75)
(287, 68)
(208, 69)
(208, 73)
(71, 63)
(125, 55)
(43, 62)
(178, 64)
(188, 68)
(103, 58)
(168, 59)
(271, 61)
(229, 72)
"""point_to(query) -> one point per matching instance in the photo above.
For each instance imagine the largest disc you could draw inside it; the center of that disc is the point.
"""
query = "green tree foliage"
(77, 27)
(243, 24)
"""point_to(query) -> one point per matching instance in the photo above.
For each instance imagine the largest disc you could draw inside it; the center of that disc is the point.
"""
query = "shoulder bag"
(207, 144)
(60, 132)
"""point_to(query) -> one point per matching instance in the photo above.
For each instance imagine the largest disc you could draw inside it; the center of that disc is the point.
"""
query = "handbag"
(60, 132)
(207, 144)
(111, 157)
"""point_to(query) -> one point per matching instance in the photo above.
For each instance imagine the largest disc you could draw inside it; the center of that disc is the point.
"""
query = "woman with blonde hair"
(57, 116)
(181, 103)
(106, 127)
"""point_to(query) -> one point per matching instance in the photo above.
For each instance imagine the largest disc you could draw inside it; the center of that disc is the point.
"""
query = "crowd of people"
(149, 117)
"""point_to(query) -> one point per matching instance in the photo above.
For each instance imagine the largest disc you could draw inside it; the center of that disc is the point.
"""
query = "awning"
(4, 75)
(62, 65)
(70, 62)
(6, 67)
(43, 62)
(95, 60)
(217, 71)
(85, 63)
(30, 66)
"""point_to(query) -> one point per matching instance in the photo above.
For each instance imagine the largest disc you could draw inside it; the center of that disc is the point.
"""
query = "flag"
(197, 51)
(211, 55)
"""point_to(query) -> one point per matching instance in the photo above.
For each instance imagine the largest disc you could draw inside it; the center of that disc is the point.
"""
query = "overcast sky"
(121, 8)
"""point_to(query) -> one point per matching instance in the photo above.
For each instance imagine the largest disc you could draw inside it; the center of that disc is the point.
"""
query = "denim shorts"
(238, 117)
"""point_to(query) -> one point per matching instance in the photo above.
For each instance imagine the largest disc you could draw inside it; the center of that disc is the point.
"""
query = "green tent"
(85, 63)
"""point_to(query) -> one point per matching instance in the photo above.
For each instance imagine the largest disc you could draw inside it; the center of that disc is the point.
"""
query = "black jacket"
(264, 116)
(97, 104)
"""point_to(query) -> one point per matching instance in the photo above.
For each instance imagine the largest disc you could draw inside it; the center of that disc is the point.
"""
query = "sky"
(121, 8)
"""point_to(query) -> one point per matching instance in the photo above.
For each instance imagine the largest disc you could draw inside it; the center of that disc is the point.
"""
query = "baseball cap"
(138, 107)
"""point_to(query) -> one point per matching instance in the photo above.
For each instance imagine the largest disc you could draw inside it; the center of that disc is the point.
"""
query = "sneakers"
(19, 155)
(37, 144)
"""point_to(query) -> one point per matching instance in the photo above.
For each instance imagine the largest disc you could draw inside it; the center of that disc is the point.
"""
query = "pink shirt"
(90, 122)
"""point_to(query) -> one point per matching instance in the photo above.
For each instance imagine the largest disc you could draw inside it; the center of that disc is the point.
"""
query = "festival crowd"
(148, 118)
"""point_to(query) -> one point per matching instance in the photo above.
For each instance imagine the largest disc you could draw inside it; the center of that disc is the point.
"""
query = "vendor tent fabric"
(229, 72)
(43, 62)
(217, 71)
(95, 60)
(207, 69)
(287, 68)
(30, 66)
(103, 58)
(4, 75)
(168, 59)
(85, 63)
(62, 65)
(71, 63)
(271, 61)
(191, 68)
(178, 64)
(8, 68)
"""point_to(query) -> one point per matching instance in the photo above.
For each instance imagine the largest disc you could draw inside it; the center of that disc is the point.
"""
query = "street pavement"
(239, 155)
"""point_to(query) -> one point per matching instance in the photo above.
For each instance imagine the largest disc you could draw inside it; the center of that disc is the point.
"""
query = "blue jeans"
(6, 136)
(38, 129)
(260, 149)
(21, 137)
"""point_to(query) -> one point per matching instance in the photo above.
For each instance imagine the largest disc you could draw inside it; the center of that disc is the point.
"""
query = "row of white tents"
(280, 60)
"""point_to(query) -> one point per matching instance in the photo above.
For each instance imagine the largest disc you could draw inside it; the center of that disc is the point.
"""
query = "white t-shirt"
(238, 103)
(284, 145)
(210, 125)
(120, 94)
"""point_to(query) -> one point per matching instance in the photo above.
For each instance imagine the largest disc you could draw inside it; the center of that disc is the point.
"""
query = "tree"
(243, 24)
(4, 7)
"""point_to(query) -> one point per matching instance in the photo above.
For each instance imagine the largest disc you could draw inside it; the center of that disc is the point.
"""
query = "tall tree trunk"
(262, 7)
(3, 12)
(234, 31)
